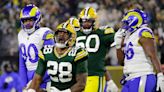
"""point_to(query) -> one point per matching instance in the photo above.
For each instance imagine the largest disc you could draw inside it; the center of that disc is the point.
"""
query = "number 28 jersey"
(62, 69)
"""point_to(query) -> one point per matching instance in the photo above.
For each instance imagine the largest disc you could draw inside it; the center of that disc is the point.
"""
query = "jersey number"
(88, 42)
(62, 72)
(129, 52)
(30, 53)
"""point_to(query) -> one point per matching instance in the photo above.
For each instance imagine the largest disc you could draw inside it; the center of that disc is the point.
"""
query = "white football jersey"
(30, 46)
(136, 61)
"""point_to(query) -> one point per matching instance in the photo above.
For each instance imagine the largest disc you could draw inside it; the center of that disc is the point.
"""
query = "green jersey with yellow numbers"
(64, 68)
(97, 43)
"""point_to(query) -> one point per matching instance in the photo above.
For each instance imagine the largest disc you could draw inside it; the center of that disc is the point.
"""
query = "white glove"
(67, 90)
(54, 89)
(118, 38)
(31, 90)
(160, 82)
(111, 86)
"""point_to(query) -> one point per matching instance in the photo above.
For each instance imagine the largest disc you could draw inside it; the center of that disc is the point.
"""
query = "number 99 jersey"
(62, 68)
(29, 47)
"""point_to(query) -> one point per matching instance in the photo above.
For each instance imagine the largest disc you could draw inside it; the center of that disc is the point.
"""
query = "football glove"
(160, 82)
(111, 86)
(118, 38)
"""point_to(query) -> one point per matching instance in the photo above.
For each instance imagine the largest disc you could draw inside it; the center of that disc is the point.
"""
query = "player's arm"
(81, 77)
(108, 35)
(40, 71)
(22, 69)
(148, 43)
(48, 38)
(118, 42)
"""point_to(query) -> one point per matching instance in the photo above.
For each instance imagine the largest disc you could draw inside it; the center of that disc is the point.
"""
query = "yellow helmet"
(75, 22)
(66, 27)
(89, 15)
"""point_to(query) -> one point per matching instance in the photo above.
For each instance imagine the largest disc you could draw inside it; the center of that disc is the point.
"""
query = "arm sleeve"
(108, 37)
(22, 70)
(82, 67)
(41, 68)
(81, 60)
(48, 38)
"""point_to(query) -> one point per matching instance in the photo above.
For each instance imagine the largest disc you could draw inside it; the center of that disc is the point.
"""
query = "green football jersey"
(97, 43)
(64, 68)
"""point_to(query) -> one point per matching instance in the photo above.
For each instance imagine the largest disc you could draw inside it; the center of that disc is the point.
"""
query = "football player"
(66, 64)
(31, 39)
(97, 42)
(135, 46)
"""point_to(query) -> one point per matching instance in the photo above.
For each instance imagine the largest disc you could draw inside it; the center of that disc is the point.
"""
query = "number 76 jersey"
(135, 58)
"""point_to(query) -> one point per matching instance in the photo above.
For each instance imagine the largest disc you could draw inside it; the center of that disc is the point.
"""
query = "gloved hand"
(160, 82)
(54, 89)
(67, 90)
(111, 86)
(119, 37)
(31, 90)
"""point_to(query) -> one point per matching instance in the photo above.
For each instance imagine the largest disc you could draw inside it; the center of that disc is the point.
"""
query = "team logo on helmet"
(30, 12)
(134, 19)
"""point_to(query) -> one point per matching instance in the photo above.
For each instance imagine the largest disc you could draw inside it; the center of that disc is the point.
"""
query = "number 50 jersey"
(29, 47)
(97, 44)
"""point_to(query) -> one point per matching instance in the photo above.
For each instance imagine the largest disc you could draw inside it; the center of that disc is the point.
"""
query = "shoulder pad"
(146, 32)
(47, 49)
(48, 34)
(109, 30)
(41, 55)
(81, 54)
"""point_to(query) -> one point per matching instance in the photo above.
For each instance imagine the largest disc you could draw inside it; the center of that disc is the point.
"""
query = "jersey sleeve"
(108, 37)
(22, 69)
(48, 38)
(42, 64)
(147, 33)
(81, 60)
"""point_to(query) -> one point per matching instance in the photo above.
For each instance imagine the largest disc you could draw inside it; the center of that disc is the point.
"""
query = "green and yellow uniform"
(62, 68)
(97, 43)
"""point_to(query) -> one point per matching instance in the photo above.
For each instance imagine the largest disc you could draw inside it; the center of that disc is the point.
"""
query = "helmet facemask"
(87, 25)
(87, 19)
(65, 37)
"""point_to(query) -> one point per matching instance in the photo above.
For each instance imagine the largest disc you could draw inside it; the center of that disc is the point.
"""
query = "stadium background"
(54, 12)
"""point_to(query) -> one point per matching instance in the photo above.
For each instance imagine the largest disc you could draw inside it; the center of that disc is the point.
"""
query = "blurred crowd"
(54, 12)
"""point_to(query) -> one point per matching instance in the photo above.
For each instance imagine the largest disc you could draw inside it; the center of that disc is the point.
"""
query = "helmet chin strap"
(87, 31)
(60, 45)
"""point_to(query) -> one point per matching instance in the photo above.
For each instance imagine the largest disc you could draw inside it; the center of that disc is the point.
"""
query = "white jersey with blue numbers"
(136, 61)
(30, 46)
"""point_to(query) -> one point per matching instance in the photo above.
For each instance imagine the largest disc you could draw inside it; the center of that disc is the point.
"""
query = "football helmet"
(61, 42)
(75, 22)
(88, 15)
(134, 19)
(30, 12)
